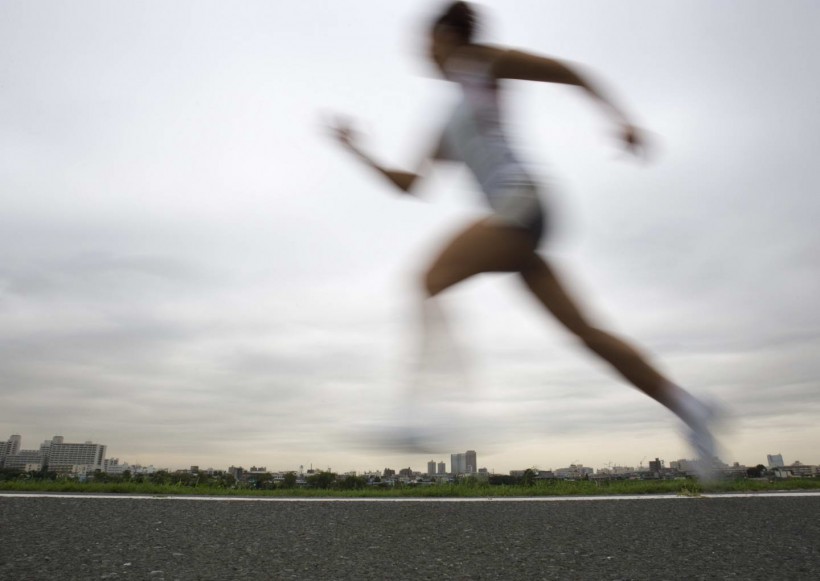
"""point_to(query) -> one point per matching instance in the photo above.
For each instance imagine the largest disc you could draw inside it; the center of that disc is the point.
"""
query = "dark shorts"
(518, 204)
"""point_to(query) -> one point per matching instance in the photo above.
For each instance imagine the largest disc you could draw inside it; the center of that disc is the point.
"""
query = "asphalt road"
(164, 539)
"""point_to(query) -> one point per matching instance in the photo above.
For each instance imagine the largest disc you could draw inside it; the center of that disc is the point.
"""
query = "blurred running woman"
(506, 241)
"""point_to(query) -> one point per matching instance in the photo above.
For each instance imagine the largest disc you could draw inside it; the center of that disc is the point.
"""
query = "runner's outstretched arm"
(514, 64)
(403, 180)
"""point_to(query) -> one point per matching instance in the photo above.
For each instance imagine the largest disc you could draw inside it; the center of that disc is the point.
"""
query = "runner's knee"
(434, 282)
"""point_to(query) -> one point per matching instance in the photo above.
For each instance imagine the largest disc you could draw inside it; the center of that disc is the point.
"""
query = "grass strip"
(462, 490)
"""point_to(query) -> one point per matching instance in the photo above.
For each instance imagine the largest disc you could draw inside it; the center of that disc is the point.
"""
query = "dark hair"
(459, 17)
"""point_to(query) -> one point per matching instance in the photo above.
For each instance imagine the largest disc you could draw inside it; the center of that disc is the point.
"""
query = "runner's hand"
(633, 139)
(343, 132)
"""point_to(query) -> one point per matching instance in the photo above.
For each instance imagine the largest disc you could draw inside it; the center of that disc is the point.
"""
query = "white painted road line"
(58, 495)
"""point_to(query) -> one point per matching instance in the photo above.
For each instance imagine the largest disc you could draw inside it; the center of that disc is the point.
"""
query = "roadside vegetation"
(326, 484)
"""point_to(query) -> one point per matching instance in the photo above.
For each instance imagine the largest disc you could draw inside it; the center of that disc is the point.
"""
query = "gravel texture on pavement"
(165, 539)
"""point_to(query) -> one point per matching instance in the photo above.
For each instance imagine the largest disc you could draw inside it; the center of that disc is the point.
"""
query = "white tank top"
(474, 134)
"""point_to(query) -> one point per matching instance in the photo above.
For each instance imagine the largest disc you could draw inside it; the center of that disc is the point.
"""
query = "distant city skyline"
(460, 458)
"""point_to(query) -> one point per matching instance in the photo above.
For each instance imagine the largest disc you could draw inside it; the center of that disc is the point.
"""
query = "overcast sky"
(192, 273)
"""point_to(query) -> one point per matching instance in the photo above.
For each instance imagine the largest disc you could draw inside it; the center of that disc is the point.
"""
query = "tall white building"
(465, 463)
(63, 457)
(431, 468)
(27, 460)
(775, 460)
(14, 444)
(56, 454)
(458, 463)
(472, 462)
(9, 448)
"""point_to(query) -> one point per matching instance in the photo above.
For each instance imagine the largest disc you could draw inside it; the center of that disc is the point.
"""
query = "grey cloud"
(82, 275)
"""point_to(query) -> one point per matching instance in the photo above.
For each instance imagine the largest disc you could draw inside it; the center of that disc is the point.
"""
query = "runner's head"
(453, 28)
